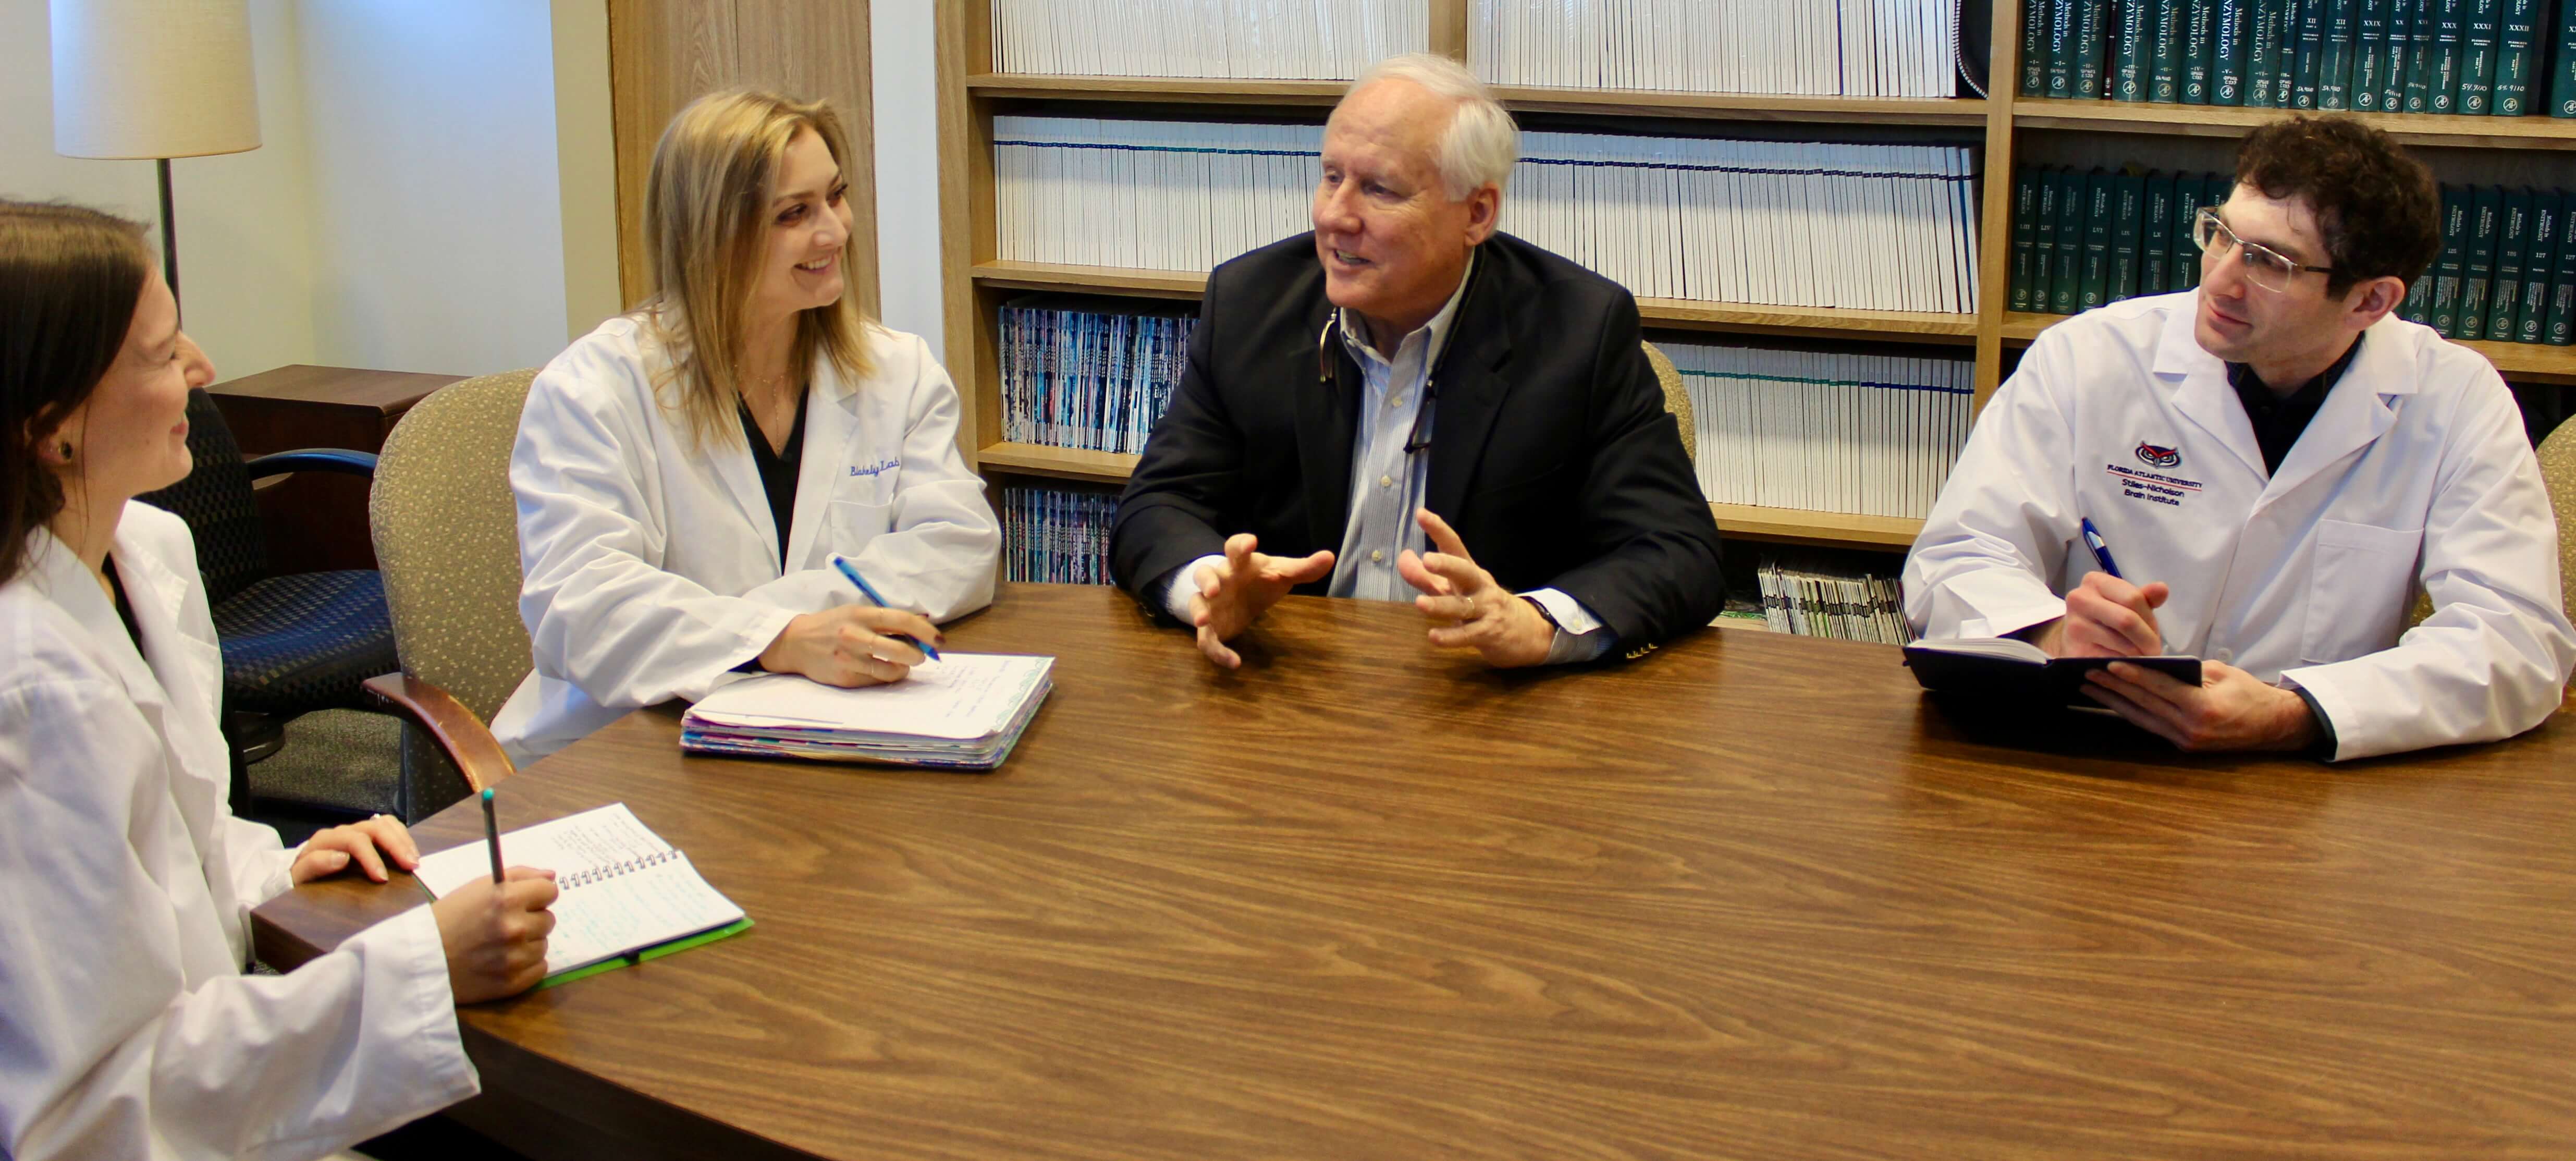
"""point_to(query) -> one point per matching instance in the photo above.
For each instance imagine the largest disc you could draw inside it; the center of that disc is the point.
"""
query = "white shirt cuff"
(1580, 636)
(1185, 584)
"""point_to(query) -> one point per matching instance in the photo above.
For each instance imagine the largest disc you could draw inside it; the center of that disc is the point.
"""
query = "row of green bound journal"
(2502, 57)
(2507, 270)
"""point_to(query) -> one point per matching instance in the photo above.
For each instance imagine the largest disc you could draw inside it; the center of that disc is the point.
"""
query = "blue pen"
(869, 591)
(2101, 551)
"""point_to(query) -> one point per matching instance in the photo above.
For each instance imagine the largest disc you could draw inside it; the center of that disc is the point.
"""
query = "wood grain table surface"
(1747, 897)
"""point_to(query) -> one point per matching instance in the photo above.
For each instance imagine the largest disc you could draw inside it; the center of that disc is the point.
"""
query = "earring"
(66, 449)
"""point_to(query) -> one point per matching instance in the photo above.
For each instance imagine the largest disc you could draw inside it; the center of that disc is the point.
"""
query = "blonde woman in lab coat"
(686, 472)
(127, 1028)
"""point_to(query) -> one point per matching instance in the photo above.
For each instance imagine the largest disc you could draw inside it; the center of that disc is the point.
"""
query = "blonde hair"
(706, 210)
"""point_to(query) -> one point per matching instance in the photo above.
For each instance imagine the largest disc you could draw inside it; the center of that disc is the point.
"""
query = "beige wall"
(434, 191)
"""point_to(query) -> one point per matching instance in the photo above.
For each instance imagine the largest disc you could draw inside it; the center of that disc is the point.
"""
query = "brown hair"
(2375, 205)
(706, 201)
(70, 279)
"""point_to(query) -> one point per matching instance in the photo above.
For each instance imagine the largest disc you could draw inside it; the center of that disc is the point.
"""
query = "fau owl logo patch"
(2159, 457)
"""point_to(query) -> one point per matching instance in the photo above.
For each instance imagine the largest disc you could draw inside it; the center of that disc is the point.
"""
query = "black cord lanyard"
(1328, 369)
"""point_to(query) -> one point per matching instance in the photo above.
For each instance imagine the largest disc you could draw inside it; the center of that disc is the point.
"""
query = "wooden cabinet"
(317, 521)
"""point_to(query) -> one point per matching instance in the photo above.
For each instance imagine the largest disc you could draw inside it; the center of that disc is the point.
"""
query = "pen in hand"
(492, 835)
(869, 591)
(2101, 551)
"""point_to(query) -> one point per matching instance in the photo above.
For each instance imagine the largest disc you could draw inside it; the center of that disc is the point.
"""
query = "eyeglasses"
(2264, 266)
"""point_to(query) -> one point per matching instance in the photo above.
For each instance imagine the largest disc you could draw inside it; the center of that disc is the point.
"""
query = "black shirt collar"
(2280, 420)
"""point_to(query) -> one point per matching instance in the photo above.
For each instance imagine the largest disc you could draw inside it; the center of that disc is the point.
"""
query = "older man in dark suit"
(1366, 403)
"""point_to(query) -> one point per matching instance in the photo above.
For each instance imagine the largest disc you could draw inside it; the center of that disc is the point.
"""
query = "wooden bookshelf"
(1668, 313)
(970, 92)
(1740, 521)
(2519, 362)
(2220, 121)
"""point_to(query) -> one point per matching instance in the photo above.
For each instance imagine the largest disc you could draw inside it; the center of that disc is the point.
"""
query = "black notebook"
(2002, 669)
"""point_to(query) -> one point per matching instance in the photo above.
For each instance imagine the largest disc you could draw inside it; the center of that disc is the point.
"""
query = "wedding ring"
(1471, 609)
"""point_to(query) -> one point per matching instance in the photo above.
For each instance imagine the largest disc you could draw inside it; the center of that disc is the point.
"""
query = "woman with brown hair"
(687, 473)
(127, 1028)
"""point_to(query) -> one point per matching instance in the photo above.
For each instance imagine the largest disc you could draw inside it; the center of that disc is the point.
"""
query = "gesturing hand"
(2107, 617)
(329, 852)
(1231, 598)
(495, 934)
(850, 646)
(1475, 612)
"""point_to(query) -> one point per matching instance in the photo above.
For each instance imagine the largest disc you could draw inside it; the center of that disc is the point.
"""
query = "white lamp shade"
(153, 78)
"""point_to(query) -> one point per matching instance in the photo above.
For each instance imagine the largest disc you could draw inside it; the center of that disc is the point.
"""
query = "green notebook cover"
(2456, 208)
(2480, 34)
(2309, 54)
(2334, 69)
(2262, 53)
(2092, 26)
(2155, 249)
(2190, 194)
(2477, 275)
(2166, 19)
(2095, 288)
(2025, 236)
(2561, 330)
(2418, 307)
(2061, 47)
(2133, 51)
(2128, 197)
(2043, 247)
(2419, 56)
(2443, 84)
(2513, 242)
(2548, 226)
(2200, 50)
(2562, 68)
(2513, 245)
(2369, 55)
(2517, 61)
(2227, 84)
(2034, 50)
(2392, 56)
(656, 951)
(2066, 276)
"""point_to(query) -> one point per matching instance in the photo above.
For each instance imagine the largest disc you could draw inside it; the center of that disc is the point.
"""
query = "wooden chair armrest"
(462, 736)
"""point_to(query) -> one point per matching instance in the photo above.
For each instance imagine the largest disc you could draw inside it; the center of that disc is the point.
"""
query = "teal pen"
(492, 835)
(869, 591)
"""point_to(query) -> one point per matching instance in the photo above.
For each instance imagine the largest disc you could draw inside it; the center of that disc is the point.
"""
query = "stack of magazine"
(962, 712)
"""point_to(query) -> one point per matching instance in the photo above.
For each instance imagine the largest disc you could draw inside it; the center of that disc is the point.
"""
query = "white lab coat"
(652, 564)
(2415, 472)
(127, 1028)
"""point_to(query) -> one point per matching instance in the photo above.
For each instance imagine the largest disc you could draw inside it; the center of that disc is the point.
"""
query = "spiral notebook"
(627, 896)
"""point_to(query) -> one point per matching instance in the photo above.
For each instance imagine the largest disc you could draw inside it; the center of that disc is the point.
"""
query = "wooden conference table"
(1747, 897)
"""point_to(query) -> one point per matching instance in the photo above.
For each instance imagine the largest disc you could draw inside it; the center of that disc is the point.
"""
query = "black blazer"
(1551, 452)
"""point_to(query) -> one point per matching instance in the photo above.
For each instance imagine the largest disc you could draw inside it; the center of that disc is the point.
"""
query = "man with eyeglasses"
(1365, 404)
(2278, 463)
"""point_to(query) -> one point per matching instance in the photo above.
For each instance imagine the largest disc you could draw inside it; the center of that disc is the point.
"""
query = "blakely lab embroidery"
(875, 469)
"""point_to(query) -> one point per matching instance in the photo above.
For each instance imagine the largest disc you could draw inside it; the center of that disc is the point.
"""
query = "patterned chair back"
(1676, 400)
(447, 538)
(2558, 473)
(217, 503)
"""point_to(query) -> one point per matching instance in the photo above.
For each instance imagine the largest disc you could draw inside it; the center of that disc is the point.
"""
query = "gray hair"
(1481, 142)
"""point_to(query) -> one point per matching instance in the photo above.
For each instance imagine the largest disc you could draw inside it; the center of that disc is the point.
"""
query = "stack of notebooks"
(1848, 48)
(1863, 226)
(962, 712)
(1826, 431)
(1823, 602)
(2505, 58)
(627, 896)
(1056, 535)
(2083, 239)
(1093, 379)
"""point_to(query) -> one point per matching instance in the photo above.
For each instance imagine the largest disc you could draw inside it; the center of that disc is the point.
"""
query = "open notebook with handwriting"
(627, 896)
